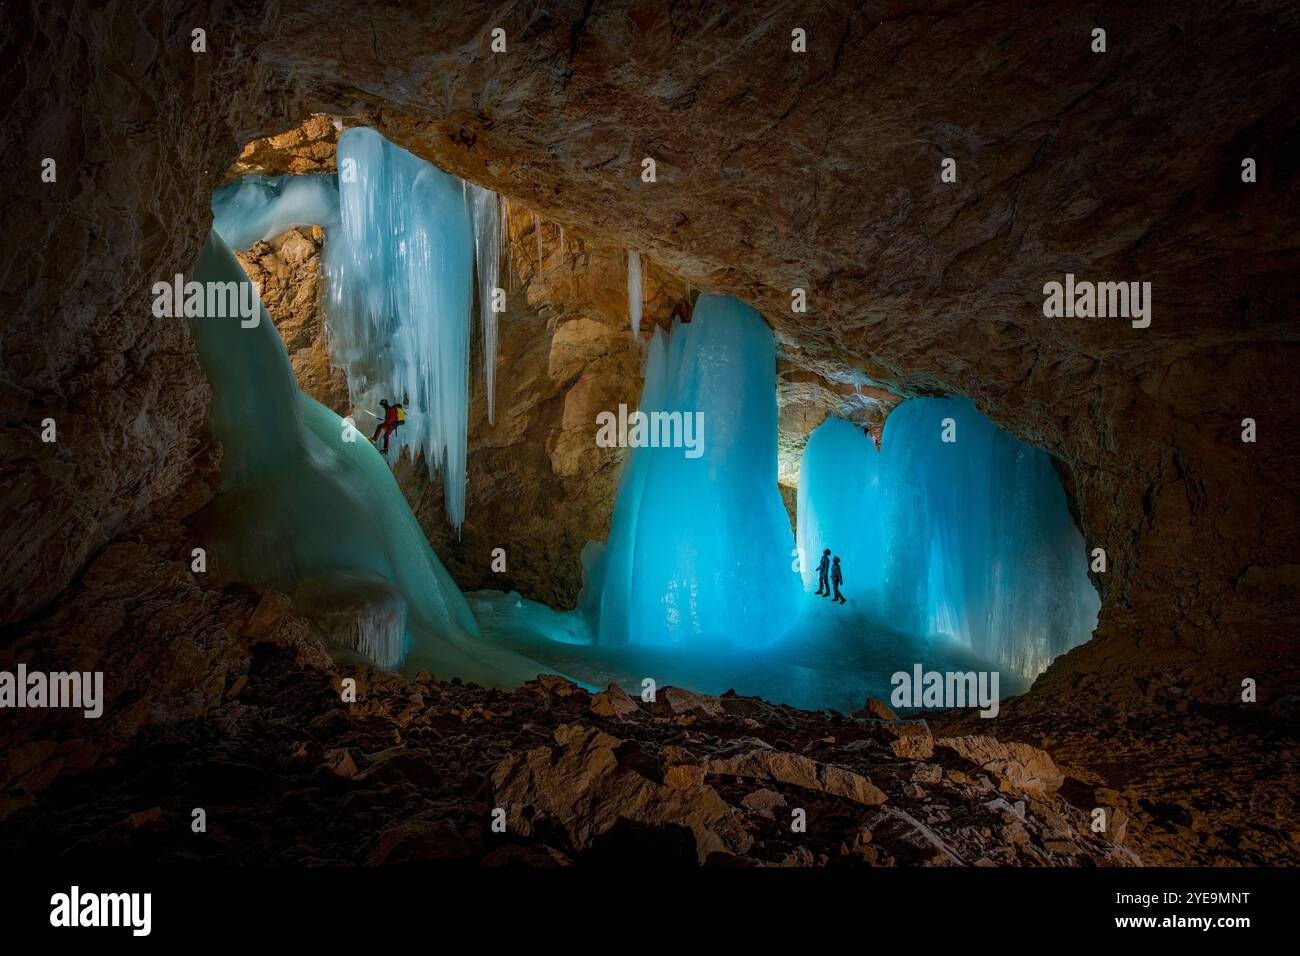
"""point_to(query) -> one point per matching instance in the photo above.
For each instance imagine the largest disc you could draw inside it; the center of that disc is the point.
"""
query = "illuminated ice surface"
(258, 208)
(700, 547)
(400, 283)
(833, 657)
(302, 509)
(970, 539)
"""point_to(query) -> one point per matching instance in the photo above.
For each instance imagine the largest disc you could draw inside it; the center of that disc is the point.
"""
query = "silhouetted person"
(837, 578)
(824, 569)
(394, 418)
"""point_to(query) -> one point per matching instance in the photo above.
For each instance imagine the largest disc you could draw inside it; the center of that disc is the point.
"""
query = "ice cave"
(498, 435)
(952, 540)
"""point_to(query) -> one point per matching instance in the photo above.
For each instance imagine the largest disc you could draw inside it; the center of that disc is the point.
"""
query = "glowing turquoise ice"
(970, 539)
(257, 208)
(700, 548)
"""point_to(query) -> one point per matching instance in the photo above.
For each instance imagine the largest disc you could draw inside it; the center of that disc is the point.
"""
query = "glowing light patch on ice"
(634, 289)
(399, 274)
(700, 548)
(971, 539)
(258, 208)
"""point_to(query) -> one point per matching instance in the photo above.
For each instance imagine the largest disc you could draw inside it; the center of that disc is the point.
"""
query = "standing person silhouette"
(824, 569)
(837, 578)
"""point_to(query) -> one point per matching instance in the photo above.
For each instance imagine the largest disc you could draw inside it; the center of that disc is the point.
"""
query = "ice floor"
(833, 657)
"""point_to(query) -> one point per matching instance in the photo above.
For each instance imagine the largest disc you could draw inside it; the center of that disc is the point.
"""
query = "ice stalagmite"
(400, 285)
(488, 219)
(309, 507)
(634, 289)
(700, 545)
(970, 538)
(613, 606)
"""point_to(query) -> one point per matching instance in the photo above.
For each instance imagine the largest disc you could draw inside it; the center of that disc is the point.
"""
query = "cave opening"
(700, 579)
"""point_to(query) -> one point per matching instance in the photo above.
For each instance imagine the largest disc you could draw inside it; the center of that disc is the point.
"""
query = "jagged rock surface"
(415, 770)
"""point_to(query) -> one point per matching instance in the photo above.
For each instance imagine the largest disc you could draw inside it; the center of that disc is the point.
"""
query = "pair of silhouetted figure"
(827, 568)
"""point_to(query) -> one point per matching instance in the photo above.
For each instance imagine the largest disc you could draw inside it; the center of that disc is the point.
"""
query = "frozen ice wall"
(306, 510)
(972, 539)
(257, 208)
(615, 565)
(700, 544)
(399, 271)
(839, 489)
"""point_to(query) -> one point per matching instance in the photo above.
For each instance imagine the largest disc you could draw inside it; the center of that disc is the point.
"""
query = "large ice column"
(400, 286)
(306, 503)
(700, 548)
(615, 569)
(257, 208)
(970, 538)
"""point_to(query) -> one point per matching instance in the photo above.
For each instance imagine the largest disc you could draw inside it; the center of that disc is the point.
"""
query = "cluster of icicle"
(402, 240)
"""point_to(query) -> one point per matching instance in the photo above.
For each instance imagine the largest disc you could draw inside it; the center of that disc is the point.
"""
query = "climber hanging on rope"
(394, 418)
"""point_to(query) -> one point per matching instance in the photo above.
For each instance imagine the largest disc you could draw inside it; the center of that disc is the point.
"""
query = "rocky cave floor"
(288, 774)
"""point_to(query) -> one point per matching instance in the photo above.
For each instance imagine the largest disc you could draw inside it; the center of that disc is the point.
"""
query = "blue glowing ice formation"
(971, 539)
(700, 544)
(257, 208)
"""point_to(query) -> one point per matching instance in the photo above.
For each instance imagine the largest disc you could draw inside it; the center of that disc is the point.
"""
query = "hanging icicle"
(634, 289)
(399, 270)
(487, 255)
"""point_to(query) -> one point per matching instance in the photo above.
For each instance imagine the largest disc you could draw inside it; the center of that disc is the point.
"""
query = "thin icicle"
(509, 241)
(487, 254)
(634, 289)
(505, 238)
